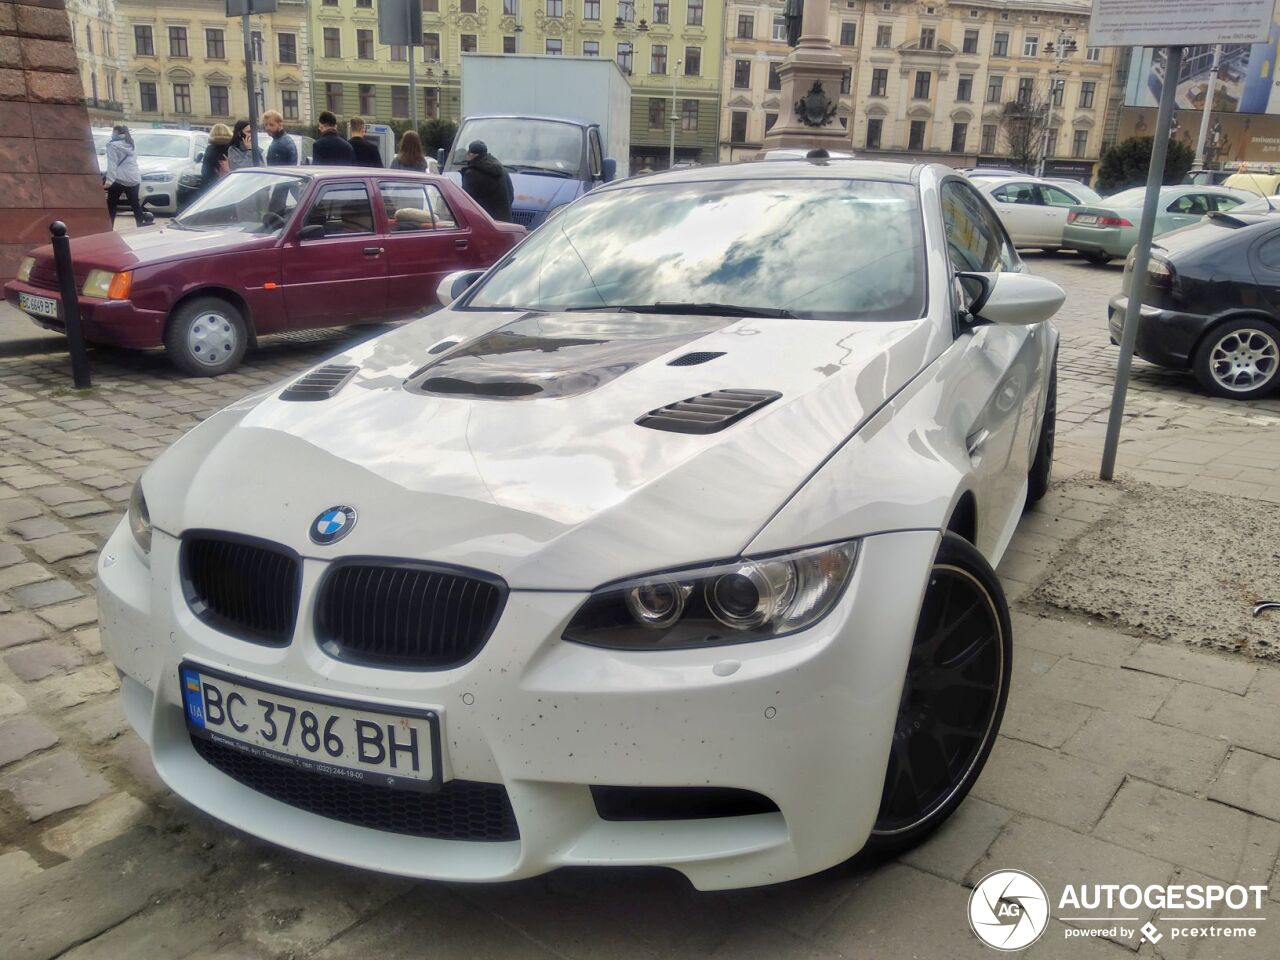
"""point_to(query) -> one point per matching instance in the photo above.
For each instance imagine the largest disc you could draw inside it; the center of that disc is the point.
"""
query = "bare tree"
(1024, 122)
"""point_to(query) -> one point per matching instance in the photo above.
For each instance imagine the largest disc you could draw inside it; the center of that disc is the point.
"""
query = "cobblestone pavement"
(1122, 759)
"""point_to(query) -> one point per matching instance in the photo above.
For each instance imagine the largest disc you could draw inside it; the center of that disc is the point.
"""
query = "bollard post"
(70, 304)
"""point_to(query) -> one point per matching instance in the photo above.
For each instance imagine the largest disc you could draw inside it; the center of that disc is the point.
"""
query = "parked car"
(716, 468)
(1033, 211)
(1211, 304)
(101, 137)
(1085, 192)
(265, 251)
(1258, 184)
(1109, 229)
(164, 157)
(1075, 187)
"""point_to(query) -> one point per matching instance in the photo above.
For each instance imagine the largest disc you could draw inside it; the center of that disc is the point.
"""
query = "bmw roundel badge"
(333, 524)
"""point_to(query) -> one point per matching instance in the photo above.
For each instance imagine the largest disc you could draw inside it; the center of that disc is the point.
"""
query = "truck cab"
(552, 160)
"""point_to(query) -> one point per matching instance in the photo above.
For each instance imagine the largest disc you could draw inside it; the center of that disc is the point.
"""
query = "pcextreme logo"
(1009, 910)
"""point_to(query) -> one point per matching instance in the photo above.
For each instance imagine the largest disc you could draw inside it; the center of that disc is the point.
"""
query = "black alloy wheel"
(952, 700)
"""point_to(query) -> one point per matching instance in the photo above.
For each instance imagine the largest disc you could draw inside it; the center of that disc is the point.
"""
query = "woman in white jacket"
(122, 176)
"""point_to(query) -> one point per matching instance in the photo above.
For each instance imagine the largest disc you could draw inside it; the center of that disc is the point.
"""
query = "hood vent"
(321, 383)
(693, 359)
(442, 346)
(708, 413)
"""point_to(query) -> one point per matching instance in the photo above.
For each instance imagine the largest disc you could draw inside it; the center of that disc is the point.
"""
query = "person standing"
(216, 164)
(282, 152)
(330, 149)
(410, 156)
(487, 181)
(240, 153)
(366, 151)
(122, 176)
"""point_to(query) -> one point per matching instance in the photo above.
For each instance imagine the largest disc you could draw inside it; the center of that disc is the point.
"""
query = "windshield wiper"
(697, 309)
(544, 171)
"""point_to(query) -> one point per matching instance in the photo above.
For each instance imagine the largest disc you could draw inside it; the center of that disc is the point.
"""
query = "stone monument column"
(810, 94)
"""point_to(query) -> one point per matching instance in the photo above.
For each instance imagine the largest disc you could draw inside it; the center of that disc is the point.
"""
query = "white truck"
(560, 125)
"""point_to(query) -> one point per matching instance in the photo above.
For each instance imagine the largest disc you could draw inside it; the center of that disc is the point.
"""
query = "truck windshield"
(524, 145)
(821, 249)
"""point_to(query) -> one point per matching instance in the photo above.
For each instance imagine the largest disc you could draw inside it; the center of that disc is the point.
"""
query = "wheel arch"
(232, 297)
(1219, 321)
(963, 521)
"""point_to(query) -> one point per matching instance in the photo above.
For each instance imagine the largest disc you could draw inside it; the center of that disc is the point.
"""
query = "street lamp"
(1061, 51)
(675, 75)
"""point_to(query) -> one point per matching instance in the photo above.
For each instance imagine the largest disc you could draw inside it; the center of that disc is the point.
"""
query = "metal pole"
(70, 304)
(1198, 163)
(413, 75)
(1141, 254)
(253, 90)
(1048, 119)
(671, 159)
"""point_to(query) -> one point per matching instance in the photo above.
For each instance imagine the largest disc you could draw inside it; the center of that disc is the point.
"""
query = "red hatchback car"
(267, 251)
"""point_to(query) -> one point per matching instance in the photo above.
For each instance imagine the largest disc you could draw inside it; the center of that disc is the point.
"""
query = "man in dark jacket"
(486, 182)
(282, 152)
(367, 152)
(330, 149)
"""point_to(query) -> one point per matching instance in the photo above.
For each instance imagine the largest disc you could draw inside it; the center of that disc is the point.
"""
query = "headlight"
(737, 602)
(190, 179)
(24, 268)
(108, 285)
(156, 177)
(140, 519)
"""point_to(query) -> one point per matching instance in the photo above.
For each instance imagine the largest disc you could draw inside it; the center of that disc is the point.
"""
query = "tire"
(206, 337)
(1042, 464)
(1098, 258)
(1238, 359)
(965, 618)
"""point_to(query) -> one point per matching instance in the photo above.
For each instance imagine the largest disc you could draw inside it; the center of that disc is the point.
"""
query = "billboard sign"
(1164, 23)
(1247, 81)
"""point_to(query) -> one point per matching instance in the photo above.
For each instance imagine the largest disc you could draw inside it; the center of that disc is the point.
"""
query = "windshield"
(161, 145)
(821, 249)
(524, 144)
(248, 201)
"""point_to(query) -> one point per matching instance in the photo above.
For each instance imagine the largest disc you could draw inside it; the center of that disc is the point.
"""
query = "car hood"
(535, 468)
(535, 191)
(127, 251)
(173, 165)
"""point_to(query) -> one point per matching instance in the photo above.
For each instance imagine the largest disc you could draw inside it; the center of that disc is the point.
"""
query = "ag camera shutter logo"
(1008, 910)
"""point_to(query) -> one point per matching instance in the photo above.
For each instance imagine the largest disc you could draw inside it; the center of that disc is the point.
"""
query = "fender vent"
(708, 413)
(321, 383)
(693, 359)
(443, 345)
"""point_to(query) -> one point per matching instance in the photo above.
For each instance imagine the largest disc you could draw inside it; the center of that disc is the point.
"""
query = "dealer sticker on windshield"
(338, 738)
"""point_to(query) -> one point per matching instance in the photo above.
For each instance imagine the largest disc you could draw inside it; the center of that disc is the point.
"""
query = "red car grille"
(45, 276)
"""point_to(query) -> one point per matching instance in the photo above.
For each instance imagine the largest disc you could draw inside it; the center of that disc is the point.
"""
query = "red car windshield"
(248, 201)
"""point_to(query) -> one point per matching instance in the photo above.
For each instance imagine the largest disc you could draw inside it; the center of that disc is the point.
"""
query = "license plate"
(339, 738)
(39, 306)
(1086, 218)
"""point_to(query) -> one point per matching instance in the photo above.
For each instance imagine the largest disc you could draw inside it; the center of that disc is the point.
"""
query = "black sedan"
(1212, 304)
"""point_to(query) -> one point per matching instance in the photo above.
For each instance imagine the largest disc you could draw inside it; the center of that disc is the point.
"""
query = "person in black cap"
(487, 183)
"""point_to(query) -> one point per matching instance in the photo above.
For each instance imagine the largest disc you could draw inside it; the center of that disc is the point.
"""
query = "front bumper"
(119, 323)
(1166, 338)
(159, 195)
(804, 720)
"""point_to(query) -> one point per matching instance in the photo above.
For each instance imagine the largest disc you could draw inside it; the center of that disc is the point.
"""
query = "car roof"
(330, 172)
(559, 118)
(835, 168)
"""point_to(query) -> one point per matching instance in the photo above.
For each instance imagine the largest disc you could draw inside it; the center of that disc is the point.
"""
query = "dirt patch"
(1180, 565)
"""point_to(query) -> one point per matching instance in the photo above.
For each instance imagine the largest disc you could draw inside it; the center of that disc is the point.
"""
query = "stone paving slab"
(1250, 781)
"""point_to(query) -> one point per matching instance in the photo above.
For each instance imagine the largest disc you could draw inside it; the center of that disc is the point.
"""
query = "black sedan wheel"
(952, 701)
(1239, 359)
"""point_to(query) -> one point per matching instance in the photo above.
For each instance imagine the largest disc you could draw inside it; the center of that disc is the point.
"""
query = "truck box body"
(549, 94)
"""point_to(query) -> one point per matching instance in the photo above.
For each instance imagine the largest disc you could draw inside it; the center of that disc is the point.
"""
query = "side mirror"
(440, 156)
(610, 169)
(200, 157)
(455, 285)
(312, 231)
(1012, 299)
